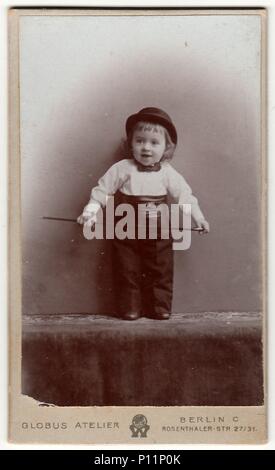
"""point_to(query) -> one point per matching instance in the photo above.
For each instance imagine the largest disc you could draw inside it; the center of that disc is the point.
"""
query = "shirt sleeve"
(180, 190)
(107, 185)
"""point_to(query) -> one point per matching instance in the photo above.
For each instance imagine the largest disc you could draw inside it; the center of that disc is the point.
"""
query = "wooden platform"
(193, 359)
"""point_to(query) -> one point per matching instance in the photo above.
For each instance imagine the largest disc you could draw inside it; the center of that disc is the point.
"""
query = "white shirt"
(125, 177)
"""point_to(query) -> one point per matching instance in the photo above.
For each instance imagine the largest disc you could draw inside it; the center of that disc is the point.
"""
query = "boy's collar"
(155, 167)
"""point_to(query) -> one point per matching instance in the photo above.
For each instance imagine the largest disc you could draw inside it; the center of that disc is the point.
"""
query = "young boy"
(144, 267)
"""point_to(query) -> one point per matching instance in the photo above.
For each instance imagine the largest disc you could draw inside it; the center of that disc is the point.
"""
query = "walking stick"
(62, 219)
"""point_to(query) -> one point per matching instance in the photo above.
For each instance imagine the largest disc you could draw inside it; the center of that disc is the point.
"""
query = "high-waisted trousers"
(143, 272)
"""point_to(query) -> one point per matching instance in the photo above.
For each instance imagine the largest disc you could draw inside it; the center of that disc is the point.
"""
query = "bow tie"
(155, 167)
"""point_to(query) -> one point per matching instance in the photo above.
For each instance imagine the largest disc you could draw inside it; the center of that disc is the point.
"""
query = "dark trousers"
(143, 275)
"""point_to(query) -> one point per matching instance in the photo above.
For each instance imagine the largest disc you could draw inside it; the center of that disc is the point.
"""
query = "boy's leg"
(157, 277)
(126, 274)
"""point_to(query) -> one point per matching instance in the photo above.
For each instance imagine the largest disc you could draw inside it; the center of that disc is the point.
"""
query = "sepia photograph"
(137, 225)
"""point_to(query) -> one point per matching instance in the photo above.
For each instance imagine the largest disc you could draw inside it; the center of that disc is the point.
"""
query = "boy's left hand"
(204, 226)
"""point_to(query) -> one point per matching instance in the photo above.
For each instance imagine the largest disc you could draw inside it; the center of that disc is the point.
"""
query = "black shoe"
(162, 316)
(131, 316)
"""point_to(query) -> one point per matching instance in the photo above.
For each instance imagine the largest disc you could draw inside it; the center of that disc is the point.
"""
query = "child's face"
(148, 143)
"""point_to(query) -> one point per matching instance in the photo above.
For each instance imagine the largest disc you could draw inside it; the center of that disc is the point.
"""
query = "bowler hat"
(154, 115)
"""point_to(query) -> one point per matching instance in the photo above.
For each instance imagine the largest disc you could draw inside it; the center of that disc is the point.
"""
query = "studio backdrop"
(80, 78)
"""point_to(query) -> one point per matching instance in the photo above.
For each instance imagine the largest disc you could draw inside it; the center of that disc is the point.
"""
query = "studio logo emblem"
(139, 426)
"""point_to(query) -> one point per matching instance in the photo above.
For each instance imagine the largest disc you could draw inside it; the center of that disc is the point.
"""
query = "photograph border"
(19, 405)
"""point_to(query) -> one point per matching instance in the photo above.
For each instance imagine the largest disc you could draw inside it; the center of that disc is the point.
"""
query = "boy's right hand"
(87, 218)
